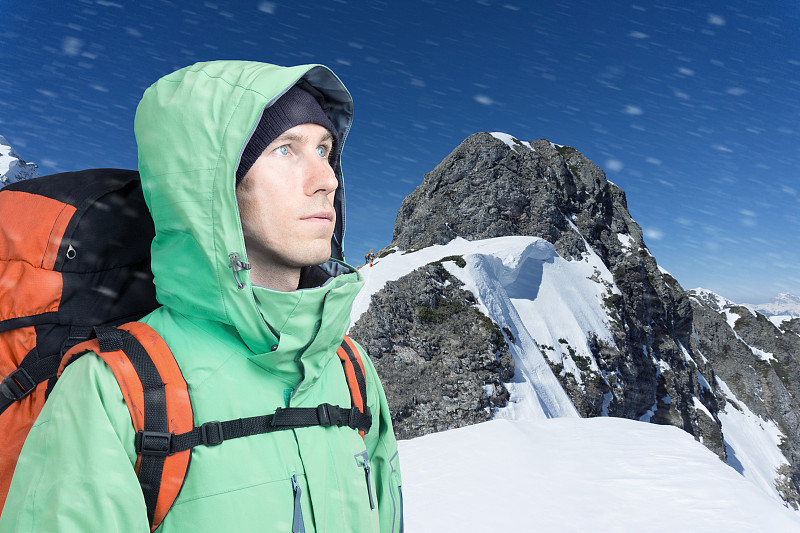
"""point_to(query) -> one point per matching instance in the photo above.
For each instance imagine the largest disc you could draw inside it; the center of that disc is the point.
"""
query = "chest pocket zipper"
(362, 460)
(297, 522)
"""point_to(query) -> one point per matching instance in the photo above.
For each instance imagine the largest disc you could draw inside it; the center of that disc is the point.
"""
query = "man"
(240, 169)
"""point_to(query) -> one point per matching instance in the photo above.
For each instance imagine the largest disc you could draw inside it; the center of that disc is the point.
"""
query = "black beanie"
(295, 107)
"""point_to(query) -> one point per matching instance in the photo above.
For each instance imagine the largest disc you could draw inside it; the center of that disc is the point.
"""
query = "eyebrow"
(293, 137)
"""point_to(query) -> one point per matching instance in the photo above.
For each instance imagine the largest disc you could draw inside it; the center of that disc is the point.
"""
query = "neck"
(283, 279)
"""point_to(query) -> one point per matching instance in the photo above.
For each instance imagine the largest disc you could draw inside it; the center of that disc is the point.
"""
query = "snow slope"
(565, 474)
(499, 272)
(551, 305)
(751, 443)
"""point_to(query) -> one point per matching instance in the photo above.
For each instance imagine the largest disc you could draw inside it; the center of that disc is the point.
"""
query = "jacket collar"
(307, 324)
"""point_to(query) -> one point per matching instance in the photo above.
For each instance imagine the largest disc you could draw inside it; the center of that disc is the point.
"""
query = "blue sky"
(693, 111)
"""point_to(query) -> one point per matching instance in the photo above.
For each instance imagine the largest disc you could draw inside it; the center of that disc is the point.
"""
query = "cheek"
(243, 202)
(249, 212)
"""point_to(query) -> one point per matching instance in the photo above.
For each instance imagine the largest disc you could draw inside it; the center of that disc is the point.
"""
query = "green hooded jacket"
(243, 350)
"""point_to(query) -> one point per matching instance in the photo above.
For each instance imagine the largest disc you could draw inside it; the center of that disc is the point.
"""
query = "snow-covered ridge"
(7, 156)
(551, 306)
(724, 307)
(711, 299)
(782, 307)
(12, 166)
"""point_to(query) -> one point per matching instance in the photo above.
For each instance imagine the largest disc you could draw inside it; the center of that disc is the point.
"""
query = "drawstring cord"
(237, 265)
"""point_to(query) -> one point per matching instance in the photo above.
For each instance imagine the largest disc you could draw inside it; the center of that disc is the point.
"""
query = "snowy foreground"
(566, 474)
(538, 466)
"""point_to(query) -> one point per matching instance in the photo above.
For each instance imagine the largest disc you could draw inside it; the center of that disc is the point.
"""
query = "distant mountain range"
(12, 166)
(785, 304)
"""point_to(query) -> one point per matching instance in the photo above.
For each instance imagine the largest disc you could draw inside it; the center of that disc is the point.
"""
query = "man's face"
(286, 200)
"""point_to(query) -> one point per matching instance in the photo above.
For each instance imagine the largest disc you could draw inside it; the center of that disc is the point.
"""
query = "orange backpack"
(74, 254)
(74, 263)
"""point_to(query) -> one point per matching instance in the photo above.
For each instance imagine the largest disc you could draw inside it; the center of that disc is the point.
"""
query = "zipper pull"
(297, 522)
(369, 485)
(237, 265)
(362, 459)
(71, 252)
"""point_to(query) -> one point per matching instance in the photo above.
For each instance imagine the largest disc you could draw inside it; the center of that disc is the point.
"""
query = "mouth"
(322, 216)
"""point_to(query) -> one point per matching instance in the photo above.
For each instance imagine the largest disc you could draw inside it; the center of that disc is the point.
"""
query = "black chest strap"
(215, 433)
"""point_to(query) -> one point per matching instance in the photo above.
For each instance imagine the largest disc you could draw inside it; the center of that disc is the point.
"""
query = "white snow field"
(582, 475)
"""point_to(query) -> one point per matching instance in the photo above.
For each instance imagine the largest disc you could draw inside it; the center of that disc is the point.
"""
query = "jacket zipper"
(363, 461)
(297, 522)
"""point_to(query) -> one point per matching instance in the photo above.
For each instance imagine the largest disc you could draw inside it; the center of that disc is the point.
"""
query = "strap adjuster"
(154, 443)
(352, 419)
(211, 433)
(17, 385)
(324, 415)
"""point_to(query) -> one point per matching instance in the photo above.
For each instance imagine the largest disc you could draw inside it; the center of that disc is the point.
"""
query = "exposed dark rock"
(442, 362)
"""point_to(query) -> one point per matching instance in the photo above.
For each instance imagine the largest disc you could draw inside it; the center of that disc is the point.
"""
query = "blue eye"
(322, 151)
(283, 150)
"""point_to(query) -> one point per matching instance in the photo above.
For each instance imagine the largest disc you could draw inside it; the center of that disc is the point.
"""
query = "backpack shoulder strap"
(356, 376)
(158, 401)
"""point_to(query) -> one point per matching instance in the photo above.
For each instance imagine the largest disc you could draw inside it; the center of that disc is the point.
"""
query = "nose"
(321, 176)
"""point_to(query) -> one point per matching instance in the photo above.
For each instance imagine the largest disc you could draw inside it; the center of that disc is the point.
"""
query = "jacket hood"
(191, 127)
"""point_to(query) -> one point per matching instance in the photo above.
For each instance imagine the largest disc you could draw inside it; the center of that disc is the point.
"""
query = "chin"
(314, 257)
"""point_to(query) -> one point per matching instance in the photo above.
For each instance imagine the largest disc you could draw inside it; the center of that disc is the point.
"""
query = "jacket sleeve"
(382, 449)
(74, 473)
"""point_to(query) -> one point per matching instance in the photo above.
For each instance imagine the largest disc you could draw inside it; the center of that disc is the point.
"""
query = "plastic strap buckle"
(154, 443)
(334, 416)
(17, 385)
(211, 433)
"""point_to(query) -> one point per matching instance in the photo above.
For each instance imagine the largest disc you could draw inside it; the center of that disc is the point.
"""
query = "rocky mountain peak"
(495, 185)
